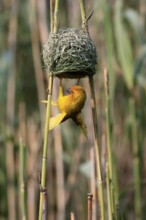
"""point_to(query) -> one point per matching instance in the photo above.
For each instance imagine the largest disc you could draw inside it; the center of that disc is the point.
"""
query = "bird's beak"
(68, 91)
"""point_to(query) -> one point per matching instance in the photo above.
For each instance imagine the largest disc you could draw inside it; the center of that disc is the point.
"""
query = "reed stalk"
(108, 35)
(112, 173)
(45, 149)
(83, 13)
(108, 193)
(108, 120)
(22, 178)
(97, 152)
(42, 207)
(93, 183)
(95, 123)
(109, 150)
(59, 164)
(51, 16)
(56, 16)
(90, 198)
(72, 216)
(36, 60)
(58, 142)
(10, 110)
(136, 161)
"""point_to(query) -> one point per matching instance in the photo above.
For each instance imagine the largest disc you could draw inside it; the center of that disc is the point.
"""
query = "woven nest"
(70, 53)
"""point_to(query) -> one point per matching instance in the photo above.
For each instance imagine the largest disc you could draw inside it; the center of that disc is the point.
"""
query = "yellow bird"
(70, 106)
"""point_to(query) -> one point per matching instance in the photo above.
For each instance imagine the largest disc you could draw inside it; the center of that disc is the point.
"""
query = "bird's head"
(77, 92)
(74, 89)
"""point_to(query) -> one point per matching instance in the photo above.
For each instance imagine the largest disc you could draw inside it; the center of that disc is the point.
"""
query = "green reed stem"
(83, 16)
(22, 178)
(136, 161)
(95, 122)
(113, 192)
(97, 156)
(108, 35)
(108, 135)
(107, 110)
(51, 16)
(83, 11)
(56, 16)
(45, 149)
(42, 208)
(108, 192)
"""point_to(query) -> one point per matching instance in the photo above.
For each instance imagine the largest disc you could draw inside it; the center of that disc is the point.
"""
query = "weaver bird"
(70, 106)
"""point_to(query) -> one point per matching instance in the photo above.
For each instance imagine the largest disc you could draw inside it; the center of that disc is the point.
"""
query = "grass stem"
(108, 193)
(95, 122)
(136, 161)
(90, 198)
(98, 162)
(112, 173)
(45, 147)
(56, 16)
(22, 178)
(83, 16)
(42, 208)
(72, 216)
(51, 16)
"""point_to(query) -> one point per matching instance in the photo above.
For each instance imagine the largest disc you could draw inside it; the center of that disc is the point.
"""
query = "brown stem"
(36, 61)
(97, 152)
(90, 197)
(10, 112)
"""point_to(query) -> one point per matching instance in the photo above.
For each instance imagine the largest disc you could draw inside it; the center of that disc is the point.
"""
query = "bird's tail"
(84, 128)
(79, 121)
(54, 121)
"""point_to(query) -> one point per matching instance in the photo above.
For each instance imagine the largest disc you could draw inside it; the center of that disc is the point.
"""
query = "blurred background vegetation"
(118, 29)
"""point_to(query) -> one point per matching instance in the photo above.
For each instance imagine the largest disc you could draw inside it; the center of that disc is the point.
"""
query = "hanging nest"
(70, 53)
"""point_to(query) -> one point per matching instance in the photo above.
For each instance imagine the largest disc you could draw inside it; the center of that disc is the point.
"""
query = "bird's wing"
(54, 121)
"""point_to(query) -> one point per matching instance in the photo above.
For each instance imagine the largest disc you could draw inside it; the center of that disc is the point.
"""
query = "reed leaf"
(124, 50)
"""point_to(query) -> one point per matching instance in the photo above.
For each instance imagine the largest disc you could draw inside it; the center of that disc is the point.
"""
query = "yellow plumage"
(70, 106)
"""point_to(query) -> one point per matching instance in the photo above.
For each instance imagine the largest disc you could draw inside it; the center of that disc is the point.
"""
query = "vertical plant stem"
(98, 162)
(10, 111)
(43, 33)
(72, 216)
(108, 35)
(95, 122)
(58, 149)
(136, 162)
(60, 186)
(22, 160)
(45, 147)
(22, 178)
(83, 15)
(90, 197)
(83, 12)
(112, 174)
(108, 193)
(108, 134)
(42, 21)
(107, 109)
(56, 16)
(36, 60)
(32, 136)
(82, 7)
(51, 16)
(93, 183)
(46, 132)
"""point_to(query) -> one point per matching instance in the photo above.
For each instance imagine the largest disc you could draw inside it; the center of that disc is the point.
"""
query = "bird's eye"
(68, 91)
